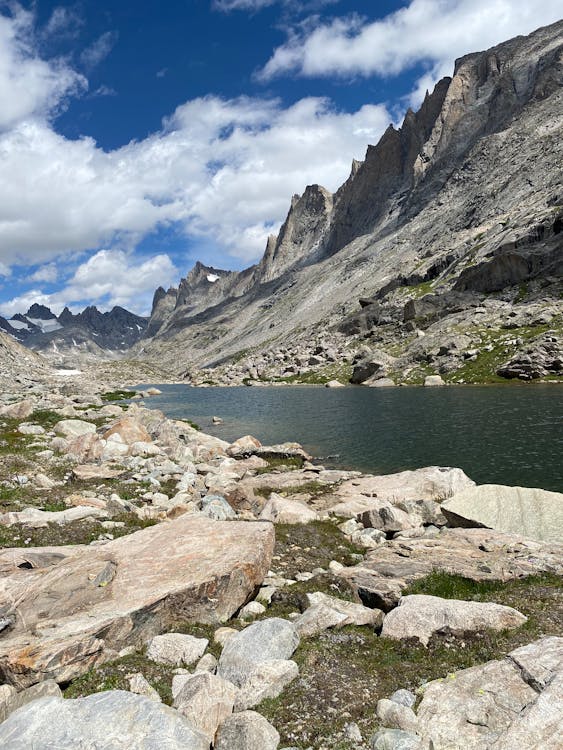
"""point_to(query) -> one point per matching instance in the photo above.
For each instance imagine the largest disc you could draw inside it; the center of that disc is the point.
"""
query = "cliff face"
(464, 198)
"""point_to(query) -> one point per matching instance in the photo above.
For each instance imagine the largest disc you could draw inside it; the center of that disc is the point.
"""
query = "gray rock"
(113, 719)
(404, 697)
(206, 701)
(176, 649)
(420, 616)
(11, 703)
(267, 680)
(396, 716)
(433, 380)
(247, 730)
(139, 685)
(262, 641)
(395, 739)
(72, 428)
(534, 513)
(217, 508)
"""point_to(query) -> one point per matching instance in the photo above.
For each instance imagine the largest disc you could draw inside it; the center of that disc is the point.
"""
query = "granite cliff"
(441, 253)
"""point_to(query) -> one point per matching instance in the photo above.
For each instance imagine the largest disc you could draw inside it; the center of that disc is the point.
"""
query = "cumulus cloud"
(108, 278)
(48, 273)
(30, 86)
(426, 31)
(223, 169)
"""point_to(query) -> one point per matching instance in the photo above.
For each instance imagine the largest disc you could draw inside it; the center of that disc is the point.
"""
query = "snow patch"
(212, 278)
(46, 326)
(18, 325)
(68, 372)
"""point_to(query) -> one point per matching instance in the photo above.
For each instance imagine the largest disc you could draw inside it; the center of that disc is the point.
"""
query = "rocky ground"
(158, 585)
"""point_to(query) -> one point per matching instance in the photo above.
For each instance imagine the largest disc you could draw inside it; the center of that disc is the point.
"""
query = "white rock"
(420, 616)
(176, 648)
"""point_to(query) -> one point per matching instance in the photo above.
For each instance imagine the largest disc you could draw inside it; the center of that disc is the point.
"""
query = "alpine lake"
(505, 434)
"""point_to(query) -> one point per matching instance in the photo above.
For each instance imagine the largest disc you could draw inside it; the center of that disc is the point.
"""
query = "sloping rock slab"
(478, 554)
(429, 483)
(80, 611)
(534, 513)
(113, 719)
(493, 706)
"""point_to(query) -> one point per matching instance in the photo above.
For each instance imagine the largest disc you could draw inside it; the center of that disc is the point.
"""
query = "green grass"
(307, 488)
(118, 395)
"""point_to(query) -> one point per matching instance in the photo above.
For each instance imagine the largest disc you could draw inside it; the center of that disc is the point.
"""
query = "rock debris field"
(161, 588)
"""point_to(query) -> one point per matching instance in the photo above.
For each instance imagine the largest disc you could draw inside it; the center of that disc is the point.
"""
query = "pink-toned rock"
(81, 610)
(19, 410)
(130, 430)
(244, 446)
(88, 447)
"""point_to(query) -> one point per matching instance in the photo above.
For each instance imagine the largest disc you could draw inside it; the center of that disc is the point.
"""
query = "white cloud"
(224, 169)
(29, 86)
(253, 6)
(48, 273)
(430, 31)
(98, 50)
(108, 278)
(63, 22)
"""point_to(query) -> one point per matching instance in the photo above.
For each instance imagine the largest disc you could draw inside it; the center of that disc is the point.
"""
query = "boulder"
(206, 701)
(95, 600)
(12, 702)
(113, 719)
(396, 716)
(420, 616)
(96, 471)
(20, 410)
(246, 730)
(534, 513)
(73, 428)
(266, 680)
(435, 483)
(139, 685)
(243, 447)
(283, 510)
(328, 611)
(433, 380)
(334, 384)
(86, 448)
(395, 739)
(176, 649)
(262, 641)
(495, 706)
(478, 554)
(130, 431)
(33, 518)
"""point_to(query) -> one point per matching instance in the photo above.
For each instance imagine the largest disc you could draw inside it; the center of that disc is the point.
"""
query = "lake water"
(497, 434)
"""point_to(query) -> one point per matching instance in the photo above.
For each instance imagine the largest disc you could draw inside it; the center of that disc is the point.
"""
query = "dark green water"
(496, 434)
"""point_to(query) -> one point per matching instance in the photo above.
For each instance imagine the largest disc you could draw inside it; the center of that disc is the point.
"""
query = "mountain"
(89, 332)
(441, 253)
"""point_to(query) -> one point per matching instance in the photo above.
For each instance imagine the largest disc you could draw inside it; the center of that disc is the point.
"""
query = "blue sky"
(138, 137)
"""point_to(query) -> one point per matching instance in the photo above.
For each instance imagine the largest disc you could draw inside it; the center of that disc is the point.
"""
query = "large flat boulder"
(435, 483)
(498, 705)
(113, 719)
(419, 616)
(534, 513)
(478, 554)
(80, 609)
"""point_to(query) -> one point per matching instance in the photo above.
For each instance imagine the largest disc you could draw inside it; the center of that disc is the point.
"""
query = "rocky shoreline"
(160, 587)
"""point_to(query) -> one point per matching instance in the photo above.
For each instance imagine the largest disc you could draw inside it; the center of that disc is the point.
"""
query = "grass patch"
(313, 488)
(118, 395)
(113, 676)
(45, 418)
(77, 532)
(304, 547)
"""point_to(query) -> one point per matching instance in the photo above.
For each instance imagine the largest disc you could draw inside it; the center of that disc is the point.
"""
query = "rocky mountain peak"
(301, 235)
(40, 312)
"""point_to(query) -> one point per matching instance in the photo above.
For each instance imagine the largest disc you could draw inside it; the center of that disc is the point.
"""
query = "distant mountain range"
(89, 332)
